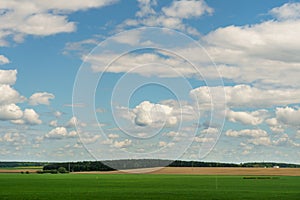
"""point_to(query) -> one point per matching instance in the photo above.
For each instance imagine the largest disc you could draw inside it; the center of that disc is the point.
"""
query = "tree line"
(147, 163)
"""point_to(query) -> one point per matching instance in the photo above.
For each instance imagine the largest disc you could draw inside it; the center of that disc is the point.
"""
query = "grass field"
(145, 186)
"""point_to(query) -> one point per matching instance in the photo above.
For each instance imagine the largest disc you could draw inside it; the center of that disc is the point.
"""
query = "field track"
(211, 171)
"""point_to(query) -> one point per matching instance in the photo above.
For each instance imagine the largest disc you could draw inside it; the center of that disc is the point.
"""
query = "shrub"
(62, 170)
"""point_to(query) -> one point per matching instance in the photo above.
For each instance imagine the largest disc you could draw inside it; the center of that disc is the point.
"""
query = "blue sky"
(97, 79)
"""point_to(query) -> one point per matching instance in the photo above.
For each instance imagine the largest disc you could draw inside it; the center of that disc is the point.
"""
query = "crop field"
(147, 186)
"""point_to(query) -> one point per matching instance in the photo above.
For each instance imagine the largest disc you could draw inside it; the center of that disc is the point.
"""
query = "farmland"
(147, 186)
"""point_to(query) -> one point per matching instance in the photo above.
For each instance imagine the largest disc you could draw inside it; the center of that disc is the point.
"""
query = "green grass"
(71, 186)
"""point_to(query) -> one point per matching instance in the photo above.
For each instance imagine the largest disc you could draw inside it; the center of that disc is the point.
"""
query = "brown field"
(190, 170)
(17, 170)
(211, 171)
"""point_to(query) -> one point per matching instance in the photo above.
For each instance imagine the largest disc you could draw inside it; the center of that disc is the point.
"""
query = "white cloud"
(146, 8)
(8, 77)
(282, 140)
(187, 9)
(14, 138)
(113, 136)
(73, 134)
(84, 46)
(122, 144)
(172, 134)
(245, 96)
(21, 18)
(288, 116)
(204, 140)
(162, 144)
(60, 133)
(298, 134)
(57, 114)
(3, 60)
(73, 122)
(10, 112)
(41, 98)
(88, 138)
(265, 141)
(9, 95)
(274, 125)
(147, 113)
(170, 16)
(289, 11)
(29, 117)
(247, 118)
(210, 130)
(257, 133)
(53, 123)
(257, 136)
(128, 62)
(267, 46)
(57, 133)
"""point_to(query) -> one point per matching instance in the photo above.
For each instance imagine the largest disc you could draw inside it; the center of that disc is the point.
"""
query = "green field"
(75, 186)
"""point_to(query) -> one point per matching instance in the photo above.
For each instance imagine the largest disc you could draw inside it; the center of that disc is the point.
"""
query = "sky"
(193, 80)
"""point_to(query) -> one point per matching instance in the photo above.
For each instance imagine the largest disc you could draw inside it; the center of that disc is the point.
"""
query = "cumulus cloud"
(187, 9)
(41, 98)
(29, 117)
(274, 125)
(88, 138)
(53, 123)
(127, 62)
(237, 50)
(204, 140)
(57, 114)
(257, 136)
(265, 141)
(288, 116)
(73, 122)
(266, 45)
(282, 140)
(10, 112)
(9, 95)
(122, 144)
(8, 77)
(245, 96)
(60, 133)
(57, 133)
(247, 118)
(169, 16)
(14, 138)
(247, 132)
(146, 8)
(147, 113)
(3, 60)
(289, 11)
(210, 130)
(40, 18)
(113, 136)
